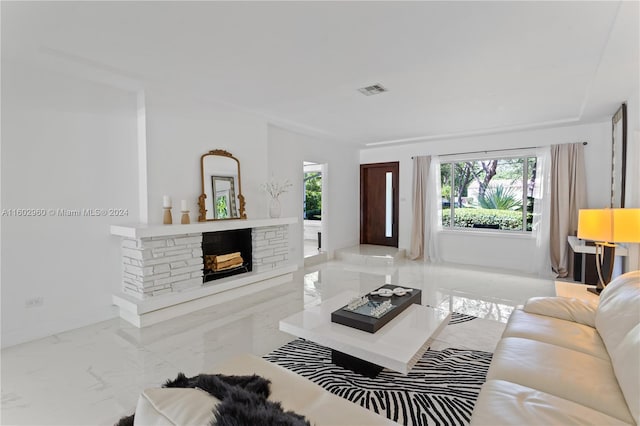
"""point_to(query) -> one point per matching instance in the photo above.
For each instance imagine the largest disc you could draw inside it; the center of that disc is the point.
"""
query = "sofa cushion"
(302, 396)
(174, 406)
(575, 310)
(626, 363)
(559, 332)
(584, 379)
(617, 322)
(618, 311)
(506, 403)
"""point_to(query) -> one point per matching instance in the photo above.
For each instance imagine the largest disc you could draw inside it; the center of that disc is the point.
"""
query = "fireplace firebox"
(226, 253)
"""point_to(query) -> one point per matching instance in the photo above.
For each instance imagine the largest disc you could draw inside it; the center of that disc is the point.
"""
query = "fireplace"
(226, 253)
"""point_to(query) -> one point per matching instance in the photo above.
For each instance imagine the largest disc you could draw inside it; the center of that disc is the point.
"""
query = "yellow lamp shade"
(626, 225)
(595, 224)
(609, 225)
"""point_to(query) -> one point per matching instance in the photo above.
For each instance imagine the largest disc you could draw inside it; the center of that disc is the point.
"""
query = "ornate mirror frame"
(618, 156)
(207, 178)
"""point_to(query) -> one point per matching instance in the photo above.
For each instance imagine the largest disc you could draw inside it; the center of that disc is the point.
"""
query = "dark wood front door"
(379, 204)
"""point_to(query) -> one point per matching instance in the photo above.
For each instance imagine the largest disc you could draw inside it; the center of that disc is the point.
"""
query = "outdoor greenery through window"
(489, 194)
(221, 207)
(312, 196)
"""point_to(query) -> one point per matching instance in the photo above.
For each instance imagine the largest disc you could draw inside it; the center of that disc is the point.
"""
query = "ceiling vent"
(375, 89)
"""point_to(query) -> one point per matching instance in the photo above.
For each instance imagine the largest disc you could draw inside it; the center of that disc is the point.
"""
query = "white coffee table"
(397, 346)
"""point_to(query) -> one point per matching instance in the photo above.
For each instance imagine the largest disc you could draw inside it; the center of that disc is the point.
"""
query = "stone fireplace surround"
(162, 265)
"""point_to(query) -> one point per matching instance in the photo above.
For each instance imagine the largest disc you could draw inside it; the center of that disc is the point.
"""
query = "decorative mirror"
(618, 156)
(221, 187)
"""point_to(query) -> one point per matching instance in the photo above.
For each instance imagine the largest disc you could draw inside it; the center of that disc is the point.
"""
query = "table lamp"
(607, 227)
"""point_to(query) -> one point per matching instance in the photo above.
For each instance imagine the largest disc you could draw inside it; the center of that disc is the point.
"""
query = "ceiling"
(451, 68)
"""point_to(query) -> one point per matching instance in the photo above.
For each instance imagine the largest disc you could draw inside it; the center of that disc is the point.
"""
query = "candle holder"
(167, 216)
(185, 217)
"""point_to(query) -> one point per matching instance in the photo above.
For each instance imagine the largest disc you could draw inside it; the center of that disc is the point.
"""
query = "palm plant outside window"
(489, 193)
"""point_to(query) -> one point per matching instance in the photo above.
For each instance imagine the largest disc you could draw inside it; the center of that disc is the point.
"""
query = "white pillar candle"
(166, 201)
(183, 205)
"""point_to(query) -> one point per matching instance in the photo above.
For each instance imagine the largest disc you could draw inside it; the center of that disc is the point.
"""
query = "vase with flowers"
(275, 188)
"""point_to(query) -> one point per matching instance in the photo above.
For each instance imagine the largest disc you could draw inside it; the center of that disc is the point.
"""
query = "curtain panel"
(541, 214)
(421, 167)
(427, 208)
(568, 195)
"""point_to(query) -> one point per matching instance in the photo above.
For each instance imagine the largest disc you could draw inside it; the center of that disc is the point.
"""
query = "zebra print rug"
(440, 390)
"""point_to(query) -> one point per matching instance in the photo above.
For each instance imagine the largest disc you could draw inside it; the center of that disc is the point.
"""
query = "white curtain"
(542, 214)
(434, 212)
(427, 207)
(421, 166)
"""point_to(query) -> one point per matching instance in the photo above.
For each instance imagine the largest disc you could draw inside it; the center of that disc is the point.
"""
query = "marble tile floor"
(93, 375)
(313, 256)
(371, 255)
(482, 292)
(310, 248)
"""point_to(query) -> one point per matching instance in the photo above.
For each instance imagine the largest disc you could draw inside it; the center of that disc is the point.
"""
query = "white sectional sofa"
(564, 361)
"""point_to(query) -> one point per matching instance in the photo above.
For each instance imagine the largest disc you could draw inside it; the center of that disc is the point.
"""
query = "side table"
(584, 260)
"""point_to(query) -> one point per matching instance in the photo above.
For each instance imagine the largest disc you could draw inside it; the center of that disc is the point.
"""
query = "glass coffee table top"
(368, 309)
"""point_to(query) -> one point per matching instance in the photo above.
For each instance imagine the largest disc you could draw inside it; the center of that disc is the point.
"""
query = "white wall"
(70, 144)
(180, 130)
(512, 252)
(341, 202)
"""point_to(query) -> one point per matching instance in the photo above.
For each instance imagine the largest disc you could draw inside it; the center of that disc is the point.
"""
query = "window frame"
(524, 154)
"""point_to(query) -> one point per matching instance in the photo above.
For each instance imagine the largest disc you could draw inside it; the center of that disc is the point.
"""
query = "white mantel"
(142, 230)
(162, 267)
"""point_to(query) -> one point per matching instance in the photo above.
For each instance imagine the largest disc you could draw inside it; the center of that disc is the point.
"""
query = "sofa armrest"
(174, 406)
(573, 309)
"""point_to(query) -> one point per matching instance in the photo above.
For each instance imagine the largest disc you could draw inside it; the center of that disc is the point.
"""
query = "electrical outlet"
(34, 302)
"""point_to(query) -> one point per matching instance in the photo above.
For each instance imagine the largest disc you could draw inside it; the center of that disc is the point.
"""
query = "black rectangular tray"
(372, 324)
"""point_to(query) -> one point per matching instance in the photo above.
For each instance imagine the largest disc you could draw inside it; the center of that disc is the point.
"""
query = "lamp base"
(594, 290)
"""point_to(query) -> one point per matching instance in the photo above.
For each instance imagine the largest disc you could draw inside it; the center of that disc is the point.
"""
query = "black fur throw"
(218, 384)
(126, 421)
(242, 408)
(243, 401)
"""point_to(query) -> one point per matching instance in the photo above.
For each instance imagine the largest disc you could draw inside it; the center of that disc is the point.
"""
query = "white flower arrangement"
(275, 188)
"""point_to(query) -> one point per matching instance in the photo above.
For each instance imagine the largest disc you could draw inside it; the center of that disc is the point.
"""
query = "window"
(490, 193)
